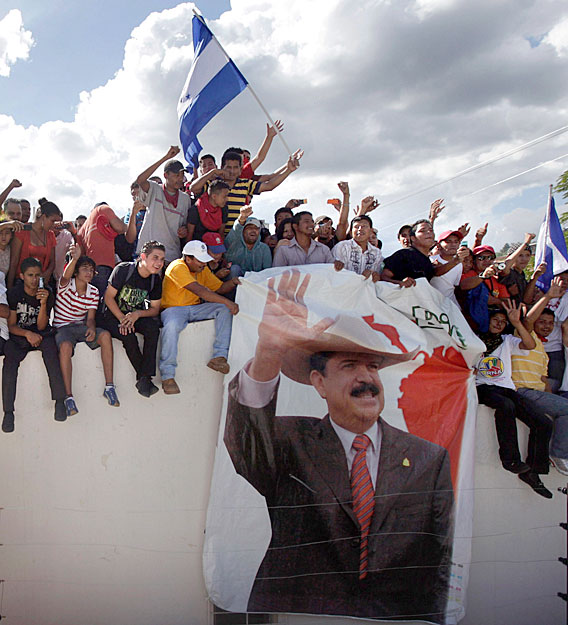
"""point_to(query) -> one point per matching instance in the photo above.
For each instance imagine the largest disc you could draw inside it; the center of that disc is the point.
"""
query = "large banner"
(317, 505)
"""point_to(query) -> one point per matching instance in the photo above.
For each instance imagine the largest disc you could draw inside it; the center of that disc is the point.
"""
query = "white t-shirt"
(560, 308)
(447, 282)
(496, 368)
(349, 252)
(163, 220)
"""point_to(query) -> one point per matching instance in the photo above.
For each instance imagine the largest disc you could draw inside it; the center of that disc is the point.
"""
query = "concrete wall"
(103, 516)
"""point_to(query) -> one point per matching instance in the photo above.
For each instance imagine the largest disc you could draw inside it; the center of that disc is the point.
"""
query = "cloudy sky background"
(391, 96)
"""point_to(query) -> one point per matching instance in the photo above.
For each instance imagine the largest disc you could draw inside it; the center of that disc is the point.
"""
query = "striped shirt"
(70, 307)
(529, 369)
(237, 198)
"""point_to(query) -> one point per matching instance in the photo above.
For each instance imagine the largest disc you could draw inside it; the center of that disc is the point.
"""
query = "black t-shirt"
(27, 307)
(200, 229)
(515, 279)
(410, 263)
(134, 290)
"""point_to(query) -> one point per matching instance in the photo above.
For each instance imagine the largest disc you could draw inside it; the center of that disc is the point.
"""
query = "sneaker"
(560, 464)
(146, 387)
(170, 387)
(535, 483)
(516, 467)
(60, 410)
(8, 422)
(111, 396)
(70, 407)
(219, 364)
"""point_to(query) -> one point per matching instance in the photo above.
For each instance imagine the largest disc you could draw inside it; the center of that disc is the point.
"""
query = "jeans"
(556, 408)
(555, 369)
(509, 405)
(176, 318)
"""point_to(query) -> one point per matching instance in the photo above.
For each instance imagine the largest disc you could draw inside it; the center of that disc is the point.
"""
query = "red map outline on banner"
(434, 401)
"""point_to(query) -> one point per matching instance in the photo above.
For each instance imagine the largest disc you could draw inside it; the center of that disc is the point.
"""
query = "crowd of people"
(177, 258)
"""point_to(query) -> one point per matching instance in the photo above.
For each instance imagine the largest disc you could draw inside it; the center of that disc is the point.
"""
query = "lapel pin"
(406, 462)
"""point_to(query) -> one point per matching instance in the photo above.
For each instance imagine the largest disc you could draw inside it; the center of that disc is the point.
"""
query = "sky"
(391, 96)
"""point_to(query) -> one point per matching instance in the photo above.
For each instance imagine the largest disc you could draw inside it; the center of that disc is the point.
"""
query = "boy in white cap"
(187, 283)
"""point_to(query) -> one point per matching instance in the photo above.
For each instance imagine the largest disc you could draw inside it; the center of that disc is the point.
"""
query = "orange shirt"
(41, 252)
(97, 236)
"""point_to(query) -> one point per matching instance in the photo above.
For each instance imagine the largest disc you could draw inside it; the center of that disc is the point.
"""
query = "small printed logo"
(491, 367)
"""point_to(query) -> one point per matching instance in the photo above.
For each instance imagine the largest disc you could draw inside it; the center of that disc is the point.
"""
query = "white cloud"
(392, 96)
(15, 41)
(558, 37)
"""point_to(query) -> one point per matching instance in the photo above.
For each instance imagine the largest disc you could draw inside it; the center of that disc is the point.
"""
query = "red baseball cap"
(483, 248)
(214, 242)
(449, 233)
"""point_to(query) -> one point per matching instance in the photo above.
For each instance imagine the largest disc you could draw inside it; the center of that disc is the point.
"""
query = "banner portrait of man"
(361, 512)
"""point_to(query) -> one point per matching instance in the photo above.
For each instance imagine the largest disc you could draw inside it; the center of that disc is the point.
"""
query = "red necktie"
(363, 497)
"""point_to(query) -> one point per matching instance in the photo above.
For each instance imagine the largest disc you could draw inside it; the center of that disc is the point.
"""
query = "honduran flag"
(550, 246)
(213, 81)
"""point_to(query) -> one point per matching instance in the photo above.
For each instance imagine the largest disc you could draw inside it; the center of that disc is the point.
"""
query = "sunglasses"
(486, 257)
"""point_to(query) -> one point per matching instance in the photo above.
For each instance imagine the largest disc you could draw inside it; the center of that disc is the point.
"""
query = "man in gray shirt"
(166, 217)
(302, 250)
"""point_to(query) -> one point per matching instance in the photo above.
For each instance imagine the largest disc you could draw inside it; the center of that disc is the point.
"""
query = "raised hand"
(540, 270)
(75, 251)
(556, 289)
(294, 160)
(15, 183)
(481, 232)
(173, 151)
(464, 230)
(284, 322)
(368, 204)
(245, 213)
(271, 130)
(435, 209)
(343, 187)
(513, 312)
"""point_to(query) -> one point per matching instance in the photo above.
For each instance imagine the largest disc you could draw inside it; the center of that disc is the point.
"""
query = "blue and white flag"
(213, 81)
(550, 247)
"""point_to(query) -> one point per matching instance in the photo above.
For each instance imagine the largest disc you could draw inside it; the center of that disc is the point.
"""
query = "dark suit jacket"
(298, 464)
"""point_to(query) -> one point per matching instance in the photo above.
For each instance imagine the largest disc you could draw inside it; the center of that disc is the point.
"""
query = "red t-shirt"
(97, 236)
(247, 171)
(41, 252)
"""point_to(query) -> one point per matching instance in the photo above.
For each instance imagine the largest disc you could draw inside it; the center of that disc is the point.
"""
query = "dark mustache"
(365, 387)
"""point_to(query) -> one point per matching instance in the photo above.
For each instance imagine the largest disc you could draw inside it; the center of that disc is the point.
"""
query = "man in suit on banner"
(361, 512)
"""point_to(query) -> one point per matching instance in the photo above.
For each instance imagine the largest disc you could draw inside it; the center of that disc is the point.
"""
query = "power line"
(490, 161)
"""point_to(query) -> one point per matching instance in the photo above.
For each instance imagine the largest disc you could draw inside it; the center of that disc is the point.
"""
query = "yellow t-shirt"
(178, 277)
(527, 370)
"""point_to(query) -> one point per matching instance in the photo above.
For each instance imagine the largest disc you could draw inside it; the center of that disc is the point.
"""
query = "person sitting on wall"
(132, 302)
(75, 307)
(193, 293)
(495, 388)
(30, 307)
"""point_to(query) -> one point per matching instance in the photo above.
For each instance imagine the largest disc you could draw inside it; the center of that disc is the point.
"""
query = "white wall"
(103, 515)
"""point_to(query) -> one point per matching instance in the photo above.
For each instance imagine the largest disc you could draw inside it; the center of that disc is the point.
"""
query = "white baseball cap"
(198, 250)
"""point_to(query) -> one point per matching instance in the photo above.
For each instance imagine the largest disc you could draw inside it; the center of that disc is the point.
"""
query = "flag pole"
(546, 232)
(252, 91)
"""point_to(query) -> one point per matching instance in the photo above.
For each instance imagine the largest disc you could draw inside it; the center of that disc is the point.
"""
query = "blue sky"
(79, 45)
(391, 96)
